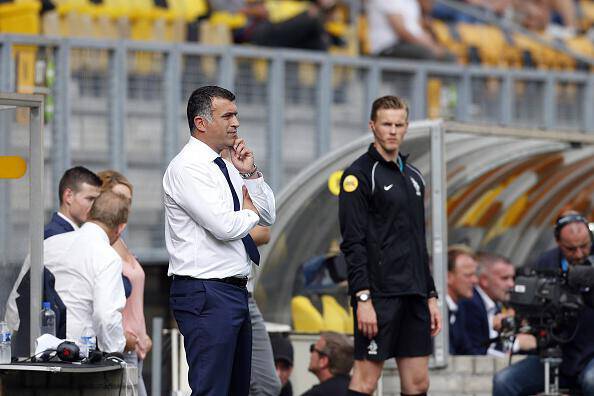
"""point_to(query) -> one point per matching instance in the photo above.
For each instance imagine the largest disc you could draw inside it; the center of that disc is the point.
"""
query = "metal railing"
(120, 104)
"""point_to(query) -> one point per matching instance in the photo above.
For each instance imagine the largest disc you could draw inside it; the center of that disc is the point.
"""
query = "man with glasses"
(331, 360)
(574, 244)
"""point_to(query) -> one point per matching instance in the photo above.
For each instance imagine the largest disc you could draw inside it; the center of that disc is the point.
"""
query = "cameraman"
(574, 244)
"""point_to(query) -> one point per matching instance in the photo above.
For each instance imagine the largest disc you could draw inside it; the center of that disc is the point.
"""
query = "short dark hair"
(454, 251)
(339, 349)
(200, 102)
(388, 102)
(111, 209)
(73, 178)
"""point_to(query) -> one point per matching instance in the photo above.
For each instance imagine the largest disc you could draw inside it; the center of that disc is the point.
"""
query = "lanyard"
(564, 265)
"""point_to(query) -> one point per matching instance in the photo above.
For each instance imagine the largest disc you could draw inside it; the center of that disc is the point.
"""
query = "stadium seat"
(306, 318)
(22, 18)
(443, 33)
(335, 316)
(586, 11)
(487, 39)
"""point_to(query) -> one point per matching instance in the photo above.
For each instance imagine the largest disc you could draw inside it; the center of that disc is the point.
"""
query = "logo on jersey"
(387, 188)
(372, 348)
(416, 186)
(350, 183)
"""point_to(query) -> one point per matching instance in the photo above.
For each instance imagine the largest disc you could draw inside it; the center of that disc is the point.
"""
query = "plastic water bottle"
(47, 320)
(87, 342)
(4, 343)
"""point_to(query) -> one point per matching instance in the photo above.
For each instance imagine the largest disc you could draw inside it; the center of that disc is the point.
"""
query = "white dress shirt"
(88, 274)
(452, 307)
(72, 223)
(202, 230)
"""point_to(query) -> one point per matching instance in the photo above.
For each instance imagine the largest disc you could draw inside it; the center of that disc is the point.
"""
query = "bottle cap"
(46, 305)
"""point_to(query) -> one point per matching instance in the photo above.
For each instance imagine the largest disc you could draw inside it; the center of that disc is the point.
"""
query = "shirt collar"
(203, 152)
(94, 229)
(489, 303)
(72, 223)
(452, 306)
(373, 153)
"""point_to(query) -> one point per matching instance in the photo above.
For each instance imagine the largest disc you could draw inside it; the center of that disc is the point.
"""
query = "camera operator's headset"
(562, 221)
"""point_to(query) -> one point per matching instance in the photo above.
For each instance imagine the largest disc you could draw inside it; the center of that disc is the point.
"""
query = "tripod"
(551, 359)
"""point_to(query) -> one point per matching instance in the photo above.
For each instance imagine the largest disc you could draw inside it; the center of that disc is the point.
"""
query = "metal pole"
(506, 100)
(227, 73)
(174, 361)
(157, 358)
(374, 77)
(464, 97)
(61, 154)
(419, 95)
(276, 104)
(439, 233)
(6, 85)
(549, 102)
(118, 92)
(588, 114)
(172, 98)
(36, 217)
(324, 110)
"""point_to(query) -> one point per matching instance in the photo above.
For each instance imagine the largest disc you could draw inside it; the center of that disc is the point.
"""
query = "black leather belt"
(232, 280)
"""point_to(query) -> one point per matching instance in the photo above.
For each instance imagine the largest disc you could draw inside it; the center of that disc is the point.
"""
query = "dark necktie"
(248, 242)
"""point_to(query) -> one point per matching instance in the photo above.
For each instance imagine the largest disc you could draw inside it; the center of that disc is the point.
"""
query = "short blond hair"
(110, 209)
(111, 178)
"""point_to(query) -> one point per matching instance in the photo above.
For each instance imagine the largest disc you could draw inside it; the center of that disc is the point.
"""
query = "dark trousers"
(214, 319)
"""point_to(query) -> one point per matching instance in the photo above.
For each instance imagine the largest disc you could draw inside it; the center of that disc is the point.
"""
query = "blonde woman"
(133, 314)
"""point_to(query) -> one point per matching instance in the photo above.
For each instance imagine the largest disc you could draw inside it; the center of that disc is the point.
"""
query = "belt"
(231, 280)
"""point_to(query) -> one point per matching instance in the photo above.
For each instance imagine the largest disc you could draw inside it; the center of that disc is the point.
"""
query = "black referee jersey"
(382, 222)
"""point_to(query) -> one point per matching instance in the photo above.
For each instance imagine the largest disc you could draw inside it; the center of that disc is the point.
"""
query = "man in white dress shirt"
(207, 236)
(88, 272)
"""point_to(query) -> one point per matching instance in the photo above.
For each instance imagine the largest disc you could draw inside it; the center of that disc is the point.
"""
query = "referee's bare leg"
(366, 374)
(414, 376)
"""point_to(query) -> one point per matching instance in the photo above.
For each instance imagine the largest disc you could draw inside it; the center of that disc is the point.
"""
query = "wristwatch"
(249, 174)
(363, 297)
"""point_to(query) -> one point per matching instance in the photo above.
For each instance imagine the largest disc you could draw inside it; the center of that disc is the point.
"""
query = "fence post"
(324, 108)
(276, 121)
(61, 154)
(118, 93)
(157, 358)
(172, 105)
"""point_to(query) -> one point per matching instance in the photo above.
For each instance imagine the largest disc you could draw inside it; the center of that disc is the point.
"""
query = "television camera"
(548, 304)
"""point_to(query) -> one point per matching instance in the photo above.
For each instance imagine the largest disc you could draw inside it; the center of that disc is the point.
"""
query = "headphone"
(562, 221)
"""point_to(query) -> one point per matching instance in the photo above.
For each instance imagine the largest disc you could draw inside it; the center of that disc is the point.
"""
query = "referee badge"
(350, 183)
(372, 348)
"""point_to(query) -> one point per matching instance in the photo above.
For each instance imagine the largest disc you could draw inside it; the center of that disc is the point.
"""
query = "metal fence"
(121, 105)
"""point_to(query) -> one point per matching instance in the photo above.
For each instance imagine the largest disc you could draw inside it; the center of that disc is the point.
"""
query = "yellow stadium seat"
(306, 318)
(489, 40)
(335, 316)
(587, 10)
(281, 10)
(444, 37)
(20, 18)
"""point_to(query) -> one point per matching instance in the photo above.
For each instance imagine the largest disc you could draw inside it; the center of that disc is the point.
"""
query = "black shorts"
(404, 329)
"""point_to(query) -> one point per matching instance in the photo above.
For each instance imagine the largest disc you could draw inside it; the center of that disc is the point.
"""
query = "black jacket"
(382, 221)
(335, 386)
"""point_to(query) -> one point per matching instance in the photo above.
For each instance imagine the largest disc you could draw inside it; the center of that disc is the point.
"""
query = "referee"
(382, 221)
